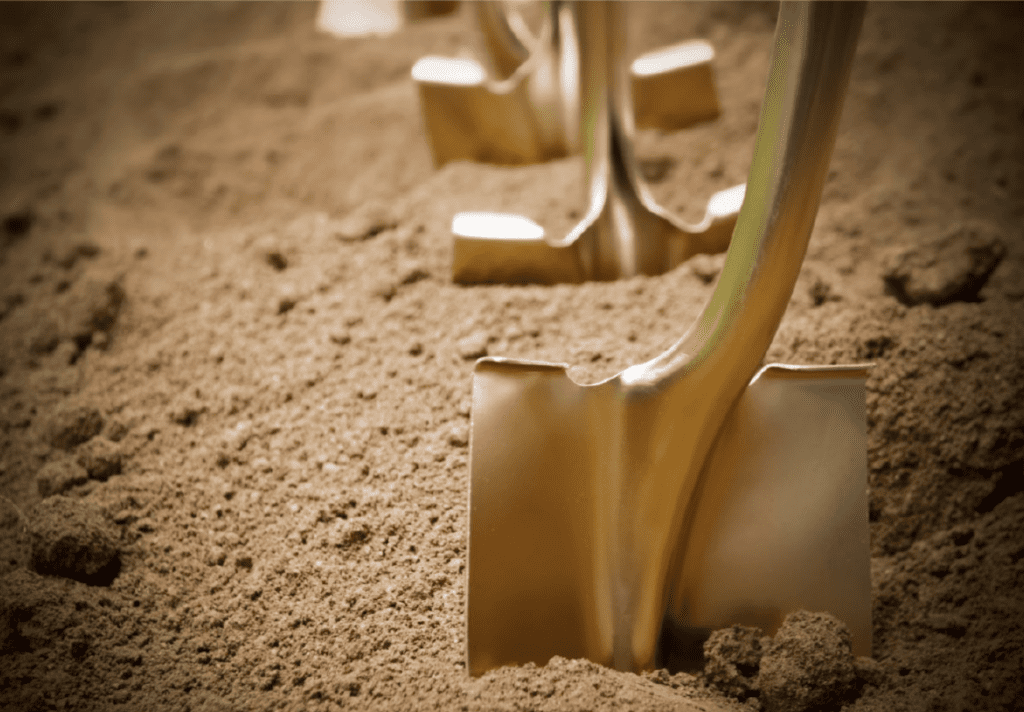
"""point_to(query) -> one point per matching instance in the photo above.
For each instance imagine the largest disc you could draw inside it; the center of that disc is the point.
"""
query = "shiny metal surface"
(674, 87)
(518, 119)
(587, 503)
(505, 35)
(624, 231)
(534, 78)
(782, 521)
(362, 18)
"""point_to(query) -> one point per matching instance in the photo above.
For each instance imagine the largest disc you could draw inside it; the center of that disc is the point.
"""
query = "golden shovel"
(624, 231)
(525, 109)
(698, 489)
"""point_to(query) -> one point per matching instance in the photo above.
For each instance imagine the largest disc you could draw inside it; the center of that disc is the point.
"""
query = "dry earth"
(235, 377)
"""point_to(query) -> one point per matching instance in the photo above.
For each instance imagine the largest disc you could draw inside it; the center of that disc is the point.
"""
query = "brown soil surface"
(257, 410)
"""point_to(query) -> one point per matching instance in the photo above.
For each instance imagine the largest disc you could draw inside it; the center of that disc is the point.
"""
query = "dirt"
(235, 375)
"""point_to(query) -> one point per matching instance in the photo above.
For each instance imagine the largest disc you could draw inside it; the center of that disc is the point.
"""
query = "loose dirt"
(235, 374)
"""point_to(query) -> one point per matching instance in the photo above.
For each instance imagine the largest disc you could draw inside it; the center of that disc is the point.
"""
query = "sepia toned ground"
(235, 374)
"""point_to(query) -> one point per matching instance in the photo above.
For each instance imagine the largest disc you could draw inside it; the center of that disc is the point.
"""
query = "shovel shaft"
(810, 68)
(707, 370)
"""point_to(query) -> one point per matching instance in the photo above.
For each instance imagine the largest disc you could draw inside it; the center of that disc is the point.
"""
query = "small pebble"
(458, 435)
(216, 556)
(655, 170)
(820, 292)
(366, 221)
(706, 267)
(92, 306)
(70, 255)
(236, 438)
(74, 425)
(272, 249)
(287, 297)
(59, 476)
(411, 272)
(473, 346)
(46, 337)
(101, 458)
(186, 412)
(73, 538)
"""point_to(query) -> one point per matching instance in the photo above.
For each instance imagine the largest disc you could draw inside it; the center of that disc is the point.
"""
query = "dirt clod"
(72, 426)
(101, 458)
(953, 268)
(733, 658)
(59, 476)
(808, 665)
(73, 538)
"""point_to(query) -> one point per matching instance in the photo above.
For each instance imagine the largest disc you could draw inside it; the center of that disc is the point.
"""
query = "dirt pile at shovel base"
(232, 360)
(807, 665)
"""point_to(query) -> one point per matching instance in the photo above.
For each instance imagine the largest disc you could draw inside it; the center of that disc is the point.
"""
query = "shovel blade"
(535, 587)
(779, 523)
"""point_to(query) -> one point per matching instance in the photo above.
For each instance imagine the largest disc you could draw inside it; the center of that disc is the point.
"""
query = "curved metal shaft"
(712, 364)
(506, 39)
(521, 117)
(624, 232)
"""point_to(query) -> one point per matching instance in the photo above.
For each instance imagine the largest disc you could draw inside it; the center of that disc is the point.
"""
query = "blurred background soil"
(235, 374)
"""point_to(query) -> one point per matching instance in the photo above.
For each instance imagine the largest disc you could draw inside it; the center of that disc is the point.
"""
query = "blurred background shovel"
(520, 103)
(614, 521)
(361, 18)
(624, 231)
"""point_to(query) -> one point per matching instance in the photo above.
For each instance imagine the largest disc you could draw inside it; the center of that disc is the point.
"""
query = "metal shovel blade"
(697, 488)
(779, 522)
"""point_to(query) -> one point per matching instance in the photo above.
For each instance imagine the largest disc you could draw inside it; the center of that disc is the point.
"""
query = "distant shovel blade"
(359, 18)
(779, 521)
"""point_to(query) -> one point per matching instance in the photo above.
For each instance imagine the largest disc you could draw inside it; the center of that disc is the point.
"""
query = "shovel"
(526, 108)
(620, 520)
(624, 231)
